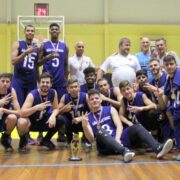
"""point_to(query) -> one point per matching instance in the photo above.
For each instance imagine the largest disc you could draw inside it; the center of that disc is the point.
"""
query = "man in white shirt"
(123, 65)
(78, 62)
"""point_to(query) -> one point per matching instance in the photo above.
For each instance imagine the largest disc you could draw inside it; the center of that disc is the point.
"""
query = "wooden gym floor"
(50, 165)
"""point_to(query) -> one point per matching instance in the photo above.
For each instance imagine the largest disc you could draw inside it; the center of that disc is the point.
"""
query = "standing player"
(54, 58)
(9, 110)
(24, 59)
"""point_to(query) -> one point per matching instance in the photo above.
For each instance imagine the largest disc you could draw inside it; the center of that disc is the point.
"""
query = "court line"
(89, 164)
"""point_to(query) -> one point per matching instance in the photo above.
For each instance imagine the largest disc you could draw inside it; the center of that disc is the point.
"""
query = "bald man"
(144, 55)
(78, 62)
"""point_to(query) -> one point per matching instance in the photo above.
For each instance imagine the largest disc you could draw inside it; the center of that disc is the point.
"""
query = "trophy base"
(75, 159)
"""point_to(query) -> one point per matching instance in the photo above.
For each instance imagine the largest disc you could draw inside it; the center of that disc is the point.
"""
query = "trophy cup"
(75, 148)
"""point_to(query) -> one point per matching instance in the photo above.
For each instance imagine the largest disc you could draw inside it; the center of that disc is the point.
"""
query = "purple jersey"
(170, 86)
(85, 89)
(111, 96)
(56, 66)
(26, 71)
(38, 99)
(138, 101)
(80, 105)
(106, 121)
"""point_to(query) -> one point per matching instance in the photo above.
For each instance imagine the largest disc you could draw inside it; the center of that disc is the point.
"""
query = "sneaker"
(128, 156)
(5, 143)
(178, 157)
(40, 137)
(61, 137)
(162, 150)
(30, 140)
(47, 144)
(23, 144)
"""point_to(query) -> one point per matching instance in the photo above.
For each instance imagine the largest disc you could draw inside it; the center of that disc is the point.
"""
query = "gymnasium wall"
(101, 40)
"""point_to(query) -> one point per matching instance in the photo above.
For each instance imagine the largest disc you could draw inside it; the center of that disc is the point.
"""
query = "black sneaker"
(40, 137)
(128, 156)
(164, 149)
(47, 144)
(61, 137)
(5, 143)
(23, 144)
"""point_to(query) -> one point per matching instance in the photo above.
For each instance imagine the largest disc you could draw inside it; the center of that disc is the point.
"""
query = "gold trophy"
(75, 148)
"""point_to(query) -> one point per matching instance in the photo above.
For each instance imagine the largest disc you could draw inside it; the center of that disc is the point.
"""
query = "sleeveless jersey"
(38, 99)
(106, 121)
(26, 70)
(138, 101)
(56, 66)
(85, 89)
(80, 105)
(175, 85)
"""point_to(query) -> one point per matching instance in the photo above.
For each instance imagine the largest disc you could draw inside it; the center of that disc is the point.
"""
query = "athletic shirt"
(167, 91)
(106, 122)
(138, 101)
(79, 107)
(56, 66)
(111, 96)
(158, 83)
(38, 99)
(9, 104)
(26, 70)
(85, 89)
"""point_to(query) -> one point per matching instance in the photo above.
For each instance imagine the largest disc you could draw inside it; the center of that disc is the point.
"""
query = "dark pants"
(137, 135)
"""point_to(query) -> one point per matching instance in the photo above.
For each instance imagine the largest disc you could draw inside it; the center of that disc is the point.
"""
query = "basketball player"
(9, 110)
(103, 123)
(172, 94)
(39, 113)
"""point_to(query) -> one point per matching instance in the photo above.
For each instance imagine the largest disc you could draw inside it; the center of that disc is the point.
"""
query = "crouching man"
(39, 113)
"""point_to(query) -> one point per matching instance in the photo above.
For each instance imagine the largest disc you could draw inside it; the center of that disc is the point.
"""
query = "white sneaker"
(166, 148)
(178, 157)
(128, 156)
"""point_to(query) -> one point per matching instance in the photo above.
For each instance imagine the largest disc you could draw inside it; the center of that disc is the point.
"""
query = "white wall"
(100, 11)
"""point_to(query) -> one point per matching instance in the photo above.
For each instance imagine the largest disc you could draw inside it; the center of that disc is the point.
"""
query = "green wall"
(100, 40)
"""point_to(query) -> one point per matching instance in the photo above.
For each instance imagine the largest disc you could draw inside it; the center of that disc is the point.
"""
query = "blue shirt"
(143, 61)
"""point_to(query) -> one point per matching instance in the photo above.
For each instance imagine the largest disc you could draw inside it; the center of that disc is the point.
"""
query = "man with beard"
(54, 58)
(172, 94)
(39, 113)
(90, 78)
(123, 64)
(9, 110)
(78, 62)
(110, 96)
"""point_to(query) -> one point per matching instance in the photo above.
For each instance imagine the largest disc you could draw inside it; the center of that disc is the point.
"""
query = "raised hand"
(5, 100)
(43, 106)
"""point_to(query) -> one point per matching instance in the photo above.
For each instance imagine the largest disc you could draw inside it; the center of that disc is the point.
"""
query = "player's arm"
(52, 119)
(100, 74)
(63, 108)
(87, 128)
(17, 59)
(41, 58)
(16, 107)
(66, 63)
(148, 104)
(27, 108)
(122, 114)
(117, 123)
